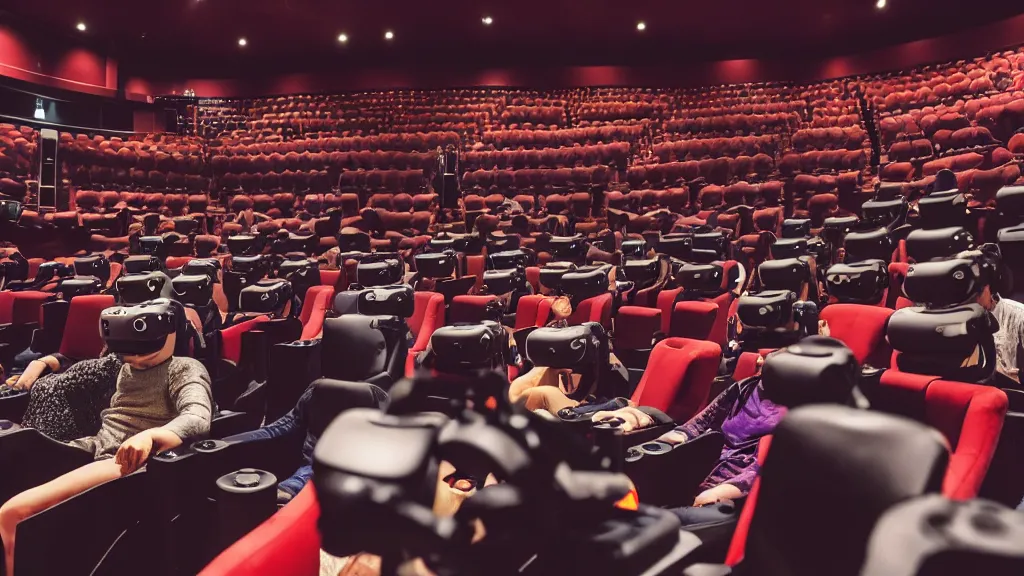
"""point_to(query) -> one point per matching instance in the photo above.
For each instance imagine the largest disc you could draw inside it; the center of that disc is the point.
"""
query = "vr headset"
(298, 269)
(14, 269)
(786, 274)
(924, 245)
(815, 370)
(942, 209)
(265, 297)
(506, 243)
(462, 348)
(796, 227)
(642, 273)
(703, 279)
(246, 264)
(504, 281)
(93, 265)
(141, 328)
(710, 246)
(937, 342)
(192, 289)
(571, 347)
(141, 264)
(353, 242)
(139, 288)
(10, 210)
(205, 266)
(304, 243)
(397, 301)
(766, 310)
(784, 248)
(380, 273)
(438, 265)
(584, 283)
(861, 282)
(151, 245)
(243, 244)
(571, 248)
(941, 283)
(79, 286)
(1010, 200)
(633, 249)
(508, 259)
(868, 245)
(884, 212)
(552, 272)
(677, 245)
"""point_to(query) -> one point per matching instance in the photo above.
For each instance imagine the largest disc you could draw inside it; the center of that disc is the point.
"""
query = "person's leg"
(287, 489)
(548, 398)
(35, 500)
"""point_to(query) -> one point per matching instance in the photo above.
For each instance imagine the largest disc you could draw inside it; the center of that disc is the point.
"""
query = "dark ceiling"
(171, 38)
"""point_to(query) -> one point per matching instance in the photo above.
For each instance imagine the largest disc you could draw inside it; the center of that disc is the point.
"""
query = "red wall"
(964, 44)
(76, 68)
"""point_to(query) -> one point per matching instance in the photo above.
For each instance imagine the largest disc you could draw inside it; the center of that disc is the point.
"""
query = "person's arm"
(710, 418)
(37, 369)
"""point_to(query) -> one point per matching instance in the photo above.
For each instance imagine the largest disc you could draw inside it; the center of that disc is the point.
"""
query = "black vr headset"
(786, 274)
(303, 274)
(142, 264)
(572, 347)
(398, 300)
(633, 249)
(795, 247)
(68, 288)
(245, 244)
(266, 297)
(373, 272)
(585, 282)
(303, 243)
(868, 245)
(141, 328)
(700, 279)
(465, 243)
(247, 264)
(942, 209)
(93, 265)
(437, 265)
(49, 270)
(815, 370)
(677, 245)
(937, 342)
(192, 289)
(508, 260)
(151, 245)
(862, 282)
(506, 243)
(15, 269)
(710, 246)
(768, 309)
(642, 273)
(138, 288)
(504, 281)
(468, 347)
(943, 283)
(10, 210)
(796, 227)
(552, 272)
(205, 266)
(353, 242)
(568, 248)
(924, 245)
(885, 213)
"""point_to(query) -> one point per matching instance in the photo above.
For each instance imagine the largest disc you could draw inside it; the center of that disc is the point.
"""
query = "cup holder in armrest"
(671, 478)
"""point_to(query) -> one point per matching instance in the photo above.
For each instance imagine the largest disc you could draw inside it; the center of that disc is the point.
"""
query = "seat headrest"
(796, 227)
(265, 296)
(571, 347)
(868, 245)
(861, 282)
(140, 264)
(93, 265)
(469, 347)
(786, 274)
(584, 283)
(243, 244)
(633, 249)
(508, 259)
(642, 273)
(141, 328)
(437, 265)
(205, 266)
(951, 282)
(768, 309)
(79, 286)
(380, 273)
(934, 536)
(354, 242)
(884, 212)
(937, 342)
(676, 246)
(397, 300)
(784, 248)
(924, 245)
(942, 209)
(139, 288)
(192, 289)
(862, 461)
(246, 264)
(332, 397)
(702, 278)
(571, 248)
(1010, 200)
(504, 281)
(815, 370)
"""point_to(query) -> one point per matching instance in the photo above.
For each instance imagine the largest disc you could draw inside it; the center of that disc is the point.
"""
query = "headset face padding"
(141, 264)
(440, 265)
(94, 265)
(796, 227)
(398, 300)
(937, 342)
(79, 286)
(380, 273)
(141, 328)
(139, 288)
(857, 283)
(704, 278)
(868, 245)
(504, 281)
(583, 283)
(508, 260)
(633, 249)
(768, 309)
(265, 297)
(924, 245)
(785, 274)
(815, 370)
(572, 347)
(950, 282)
(192, 289)
(205, 266)
(469, 346)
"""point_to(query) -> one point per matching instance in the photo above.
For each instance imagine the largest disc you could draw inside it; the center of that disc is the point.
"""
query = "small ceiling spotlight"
(487, 20)
(343, 38)
(880, 4)
(243, 42)
(81, 26)
(389, 35)
(641, 26)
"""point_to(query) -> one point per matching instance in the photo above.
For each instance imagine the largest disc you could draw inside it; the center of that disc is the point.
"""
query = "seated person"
(1010, 316)
(160, 401)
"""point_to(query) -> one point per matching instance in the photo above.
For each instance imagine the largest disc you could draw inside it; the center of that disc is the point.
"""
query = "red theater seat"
(428, 315)
(862, 329)
(81, 339)
(314, 308)
(468, 309)
(595, 309)
(533, 311)
(678, 377)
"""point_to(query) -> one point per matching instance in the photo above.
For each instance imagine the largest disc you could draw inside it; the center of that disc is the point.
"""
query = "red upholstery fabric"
(331, 278)
(533, 277)
(287, 544)
(693, 319)
(6, 307)
(231, 338)
(314, 308)
(475, 265)
(27, 306)
(665, 303)
(596, 309)
(468, 309)
(177, 261)
(739, 537)
(971, 418)
(862, 329)
(82, 339)
(720, 330)
(746, 366)
(678, 377)
(635, 327)
(533, 310)
(427, 316)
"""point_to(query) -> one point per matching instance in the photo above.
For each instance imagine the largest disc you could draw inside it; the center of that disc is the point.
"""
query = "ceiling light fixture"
(389, 35)
(242, 42)
(342, 37)
(487, 20)
(880, 4)
(81, 26)
(641, 26)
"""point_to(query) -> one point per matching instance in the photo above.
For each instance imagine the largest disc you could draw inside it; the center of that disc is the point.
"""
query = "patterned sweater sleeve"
(193, 401)
(712, 417)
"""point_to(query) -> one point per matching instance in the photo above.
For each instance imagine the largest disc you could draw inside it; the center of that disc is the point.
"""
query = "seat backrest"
(533, 310)
(862, 328)
(678, 377)
(27, 306)
(82, 339)
(693, 319)
(314, 308)
(468, 309)
(6, 307)
(427, 316)
(594, 309)
(331, 278)
(231, 338)
(354, 349)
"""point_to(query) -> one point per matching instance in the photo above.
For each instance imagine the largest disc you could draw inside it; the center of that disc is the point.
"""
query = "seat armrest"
(228, 423)
(45, 341)
(13, 407)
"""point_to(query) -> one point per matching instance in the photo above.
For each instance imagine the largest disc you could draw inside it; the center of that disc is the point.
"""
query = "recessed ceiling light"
(342, 38)
(242, 42)
(389, 35)
(81, 26)
(641, 26)
(880, 4)
(487, 20)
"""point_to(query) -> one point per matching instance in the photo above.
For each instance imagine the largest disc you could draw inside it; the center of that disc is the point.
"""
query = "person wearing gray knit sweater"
(160, 402)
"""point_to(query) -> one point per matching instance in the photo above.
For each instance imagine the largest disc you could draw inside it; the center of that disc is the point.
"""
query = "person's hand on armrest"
(717, 494)
(134, 452)
(35, 370)
(632, 418)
